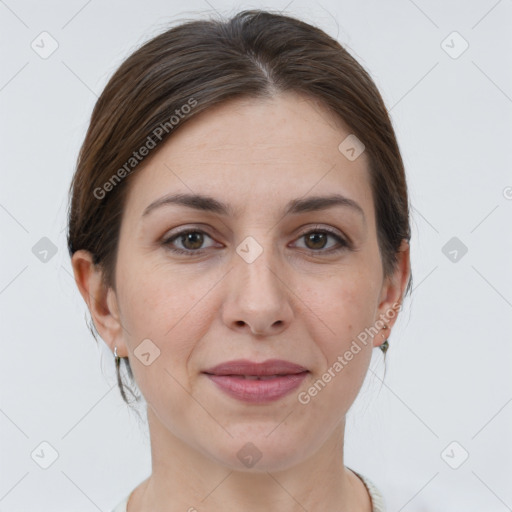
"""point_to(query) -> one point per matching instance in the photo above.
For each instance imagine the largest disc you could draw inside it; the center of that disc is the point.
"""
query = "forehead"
(250, 150)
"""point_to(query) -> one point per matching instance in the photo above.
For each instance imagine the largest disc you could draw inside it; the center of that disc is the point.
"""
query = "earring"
(384, 347)
(117, 360)
(118, 363)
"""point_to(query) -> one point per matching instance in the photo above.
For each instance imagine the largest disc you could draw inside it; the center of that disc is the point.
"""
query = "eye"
(316, 241)
(191, 240)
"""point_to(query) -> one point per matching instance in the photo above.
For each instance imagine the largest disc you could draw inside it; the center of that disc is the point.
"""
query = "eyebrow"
(295, 206)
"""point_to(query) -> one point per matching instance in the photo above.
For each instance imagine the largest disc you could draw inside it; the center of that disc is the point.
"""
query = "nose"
(258, 297)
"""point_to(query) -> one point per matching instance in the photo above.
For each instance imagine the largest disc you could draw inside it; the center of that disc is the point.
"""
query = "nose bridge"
(258, 295)
(257, 267)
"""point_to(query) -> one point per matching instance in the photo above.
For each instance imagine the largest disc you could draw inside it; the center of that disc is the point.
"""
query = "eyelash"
(343, 243)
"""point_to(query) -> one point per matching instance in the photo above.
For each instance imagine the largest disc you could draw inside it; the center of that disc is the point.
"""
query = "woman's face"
(275, 276)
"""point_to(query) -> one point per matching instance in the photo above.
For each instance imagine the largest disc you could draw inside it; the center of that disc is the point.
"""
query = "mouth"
(252, 369)
(254, 382)
(257, 377)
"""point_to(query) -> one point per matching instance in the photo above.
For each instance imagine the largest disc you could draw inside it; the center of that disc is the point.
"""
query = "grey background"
(449, 365)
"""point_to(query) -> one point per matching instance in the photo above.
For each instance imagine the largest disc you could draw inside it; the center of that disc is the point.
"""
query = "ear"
(392, 293)
(101, 301)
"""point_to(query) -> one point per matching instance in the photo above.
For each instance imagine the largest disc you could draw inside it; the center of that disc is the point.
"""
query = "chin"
(259, 453)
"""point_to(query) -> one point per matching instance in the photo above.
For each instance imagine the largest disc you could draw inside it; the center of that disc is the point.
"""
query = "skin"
(296, 301)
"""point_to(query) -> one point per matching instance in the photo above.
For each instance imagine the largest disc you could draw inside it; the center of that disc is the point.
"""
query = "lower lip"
(258, 391)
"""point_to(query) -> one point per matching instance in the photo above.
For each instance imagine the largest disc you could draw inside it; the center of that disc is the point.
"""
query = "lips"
(253, 370)
(257, 383)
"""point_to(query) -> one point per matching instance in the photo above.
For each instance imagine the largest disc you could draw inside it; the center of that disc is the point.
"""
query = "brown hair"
(207, 62)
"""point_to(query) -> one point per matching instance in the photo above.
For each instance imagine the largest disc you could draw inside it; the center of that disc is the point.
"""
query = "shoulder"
(378, 503)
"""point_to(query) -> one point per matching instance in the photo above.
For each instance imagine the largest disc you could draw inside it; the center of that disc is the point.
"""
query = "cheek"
(344, 303)
(345, 311)
(159, 298)
(174, 311)
(173, 322)
(344, 307)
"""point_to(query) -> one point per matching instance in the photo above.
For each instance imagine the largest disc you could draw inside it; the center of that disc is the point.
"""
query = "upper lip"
(246, 367)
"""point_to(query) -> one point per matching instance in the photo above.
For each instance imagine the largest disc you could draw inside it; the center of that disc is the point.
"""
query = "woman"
(239, 230)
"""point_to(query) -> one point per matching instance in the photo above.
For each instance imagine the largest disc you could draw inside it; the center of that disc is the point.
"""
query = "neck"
(184, 479)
